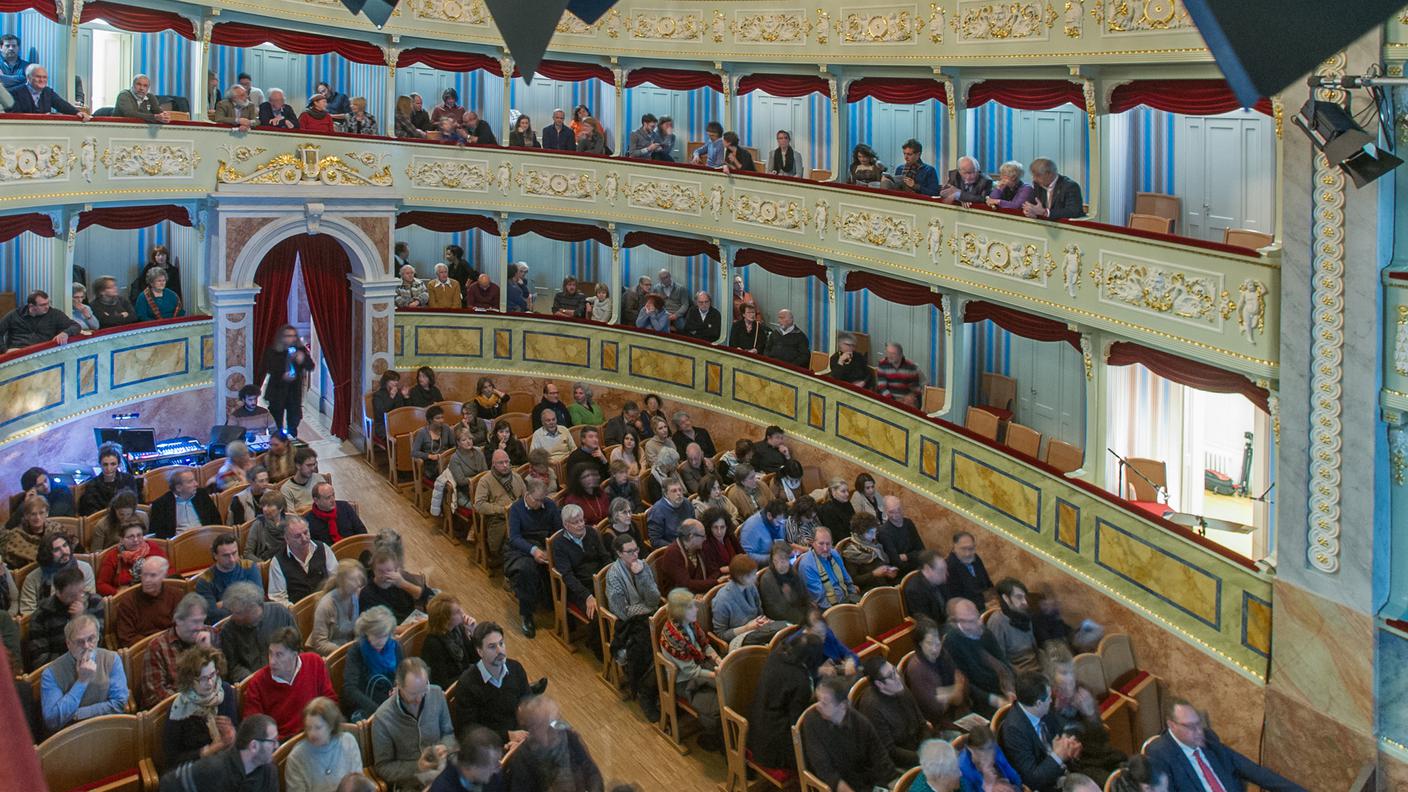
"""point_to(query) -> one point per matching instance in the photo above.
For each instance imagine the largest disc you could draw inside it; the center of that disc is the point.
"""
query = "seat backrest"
(281, 755)
(157, 481)
(454, 411)
(1242, 237)
(1090, 674)
(335, 663)
(907, 780)
(999, 716)
(998, 390)
(848, 622)
(812, 782)
(73, 526)
(1113, 782)
(692, 146)
(153, 725)
(819, 174)
(1148, 222)
(303, 614)
(1063, 456)
(205, 474)
(738, 677)
(404, 420)
(134, 658)
(226, 497)
(862, 342)
(1145, 473)
(414, 638)
(982, 422)
(1158, 204)
(653, 560)
(884, 609)
(109, 745)
(1117, 657)
(820, 361)
(353, 546)
(189, 550)
(853, 696)
(934, 398)
(1023, 440)
(521, 422)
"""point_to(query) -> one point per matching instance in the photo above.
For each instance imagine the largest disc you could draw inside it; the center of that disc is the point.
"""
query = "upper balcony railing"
(923, 34)
(1201, 300)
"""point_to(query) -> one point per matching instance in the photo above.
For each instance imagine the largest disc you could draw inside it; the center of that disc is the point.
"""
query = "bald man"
(702, 320)
(789, 344)
(551, 743)
(979, 656)
(966, 184)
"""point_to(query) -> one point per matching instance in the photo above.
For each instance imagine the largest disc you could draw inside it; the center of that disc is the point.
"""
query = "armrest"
(146, 768)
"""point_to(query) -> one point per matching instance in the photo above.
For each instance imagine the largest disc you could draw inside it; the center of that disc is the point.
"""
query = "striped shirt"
(898, 381)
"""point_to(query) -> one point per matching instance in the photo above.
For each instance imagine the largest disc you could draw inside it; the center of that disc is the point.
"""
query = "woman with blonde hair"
(335, 617)
(405, 128)
(369, 675)
(359, 121)
(659, 439)
(448, 649)
(325, 755)
(683, 643)
(122, 512)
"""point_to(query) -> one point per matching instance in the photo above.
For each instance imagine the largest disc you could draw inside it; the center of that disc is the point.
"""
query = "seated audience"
(266, 535)
(157, 301)
(520, 292)
(682, 565)
(390, 395)
(898, 535)
(588, 452)
(675, 295)
(253, 624)
(835, 510)
(584, 411)
(720, 544)
(825, 576)
(331, 520)
(938, 765)
(298, 488)
(749, 333)
(302, 566)
(552, 400)
(1012, 626)
(325, 755)
(984, 766)
(741, 297)
(109, 306)
(412, 736)
(788, 482)
(449, 106)
(548, 744)
(82, 312)
(46, 639)
(317, 118)
(627, 452)
(600, 304)
(551, 437)
(737, 610)
(477, 130)
(924, 593)
(783, 693)
(121, 565)
(36, 322)
(1055, 197)
(1031, 738)
(686, 432)
(685, 645)
(975, 652)
(694, 468)
(147, 610)
(420, 119)
(35, 96)
(748, 493)
(411, 292)
(1010, 192)
(939, 689)
(584, 489)
(236, 109)
(425, 392)
(275, 113)
(284, 687)
(475, 767)
(444, 291)
(577, 555)
(1075, 711)
(865, 168)
(893, 712)
(711, 154)
(234, 472)
(702, 320)
(633, 597)
(659, 441)
(645, 143)
(402, 592)
(183, 507)
(522, 134)
(915, 175)
(279, 458)
(652, 314)
(121, 512)
(448, 649)
(802, 522)
(666, 518)
(591, 138)
(501, 439)
(840, 745)
(53, 554)
(482, 294)
(569, 301)
(783, 594)
(531, 520)
(84, 682)
(248, 764)
(966, 184)
(864, 556)
(188, 631)
(899, 379)
(622, 521)
(138, 102)
(12, 66)
(784, 160)
(488, 693)
(865, 499)
(158, 257)
(358, 120)
(1193, 757)
(634, 300)
(465, 463)
(494, 496)
(967, 577)
(369, 674)
(788, 343)
(203, 717)
(335, 617)
(765, 528)
(711, 496)
(848, 365)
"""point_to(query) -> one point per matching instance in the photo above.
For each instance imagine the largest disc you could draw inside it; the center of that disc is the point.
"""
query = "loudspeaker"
(1262, 47)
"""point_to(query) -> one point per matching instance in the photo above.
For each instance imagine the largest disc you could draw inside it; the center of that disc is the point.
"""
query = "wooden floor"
(627, 748)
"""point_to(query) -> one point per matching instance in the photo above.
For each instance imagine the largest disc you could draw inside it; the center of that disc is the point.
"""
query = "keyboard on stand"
(175, 451)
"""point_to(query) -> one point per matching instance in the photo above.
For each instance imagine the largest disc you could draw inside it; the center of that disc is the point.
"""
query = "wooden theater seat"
(1063, 456)
(886, 622)
(847, 621)
(808, 781)
(737, 682)
(565, 614)
(189, 550)
(1124, 677)
(401, 425)
(982, 422)
(671, 703)
(353, 546)
(1024, 440)
(110, 747)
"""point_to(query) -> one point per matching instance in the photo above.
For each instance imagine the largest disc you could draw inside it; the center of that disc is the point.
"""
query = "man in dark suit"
(686, 432)
(558, 136)
(276, 113)
(1029, 736)
(1196, 760)
(966, 184)
(35, 96)
(967, 576)
(924, 593)
(184, 507)
(702, 321)
(627, 421)
(138, 102)
(1055, 196)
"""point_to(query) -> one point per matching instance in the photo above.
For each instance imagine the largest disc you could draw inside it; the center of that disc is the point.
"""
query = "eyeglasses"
(274, 740)
(696, 536)
(631, 552)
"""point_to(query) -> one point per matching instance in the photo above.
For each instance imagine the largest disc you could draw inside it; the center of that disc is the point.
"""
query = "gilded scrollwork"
(1400, 342)
(1181, 293)
(718, 28)
(1087, 356)
(770, 27)
(449, 174)
(782, 212)
(882, 25)
(879, 229)
(665, 195)
(1023, 261)
(572, 26)
(1074, 12)
(577, 185)
(306, 166)
(1131, 16)
(145, 159)
(936, 24)
(472, 12)
(663, 25)
(984, 21)
(34, 161)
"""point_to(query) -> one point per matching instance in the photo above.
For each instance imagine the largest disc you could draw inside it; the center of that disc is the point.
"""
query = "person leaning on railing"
(36, 322)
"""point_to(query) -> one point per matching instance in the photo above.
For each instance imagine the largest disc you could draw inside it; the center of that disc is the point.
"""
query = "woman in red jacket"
(122, 563)
(316, 118)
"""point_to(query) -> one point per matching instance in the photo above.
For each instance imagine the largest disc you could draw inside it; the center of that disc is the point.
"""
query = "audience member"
(835, 508)
(577, 555)
(403, 593)
(584, 490)
(784, 160)
(495, 494)
(444, 291)
(205, 713)
(279, 458)
(584, 411)
(110, 307)
(737, 610)
(681, 565)
(298, 488)
(848, 365)
(788, 482)
(531, 520)
(522, 134)
(659, 440)
(967, 577)
(784, 690)
(449, 106)
(552, 756)
(1012, 626)
(1031, 738)
(720, 544)
(1194, 758)
(675, 295)
(557, 136)
(761, 531)
(82, 313)
(802, 522)
(488, 693)
(633, 301)
(622, 522)
(234, 471)
(46, 639)
(1055, 197)
(938, 765)
(633, 597)
(465, 463)
(736, 157)
(652, 314)
(247, 765)
(276, 113)
(12, 66)
(788, 343)
(1140, 775)
(865, 167)
(896, 377)
(552, 400)
(966, 184)
(976, 653)
(284, 687)
(338, 103)
(335, 617)
(748, 493)
(287, 363)
(158, 256)
(447, 649)
(331, 520)
(770, 455)
(865, 498)
(325, 754)
(1075, 712)
(684, 644)
(35, 96)
(184, 506)
(551, 438)
(894, 712)
(711, 154)
(644, 144)
(825, 576)
(369, 674)
(53, 554)
(914, 176)
(939, 689)
(157, 301)
(253, 623)
(476, 767)
(236, 109)
(255, 95)
(303, 565)
(482, 294)
(425, 393)
(316, 117)
(693, 469)
(569, 301)
(188, 631)
(109, 525)
(266, 535)
(748, 332)
(358, 120)
(665, 137)
(781, 590)
(477, 130)
(865, 557)
(924, 593)
(36, 322)
(666, 519)
(520, 292)
(147, 610)
(411, 292)
(600, 304)
(841, 745)
(121, 566)
(1010, 192)
(85, 682)
(984, 766)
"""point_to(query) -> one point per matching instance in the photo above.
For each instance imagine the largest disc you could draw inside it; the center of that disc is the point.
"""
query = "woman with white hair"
(1010, 192)
(667, 461)
(938, 768)
(335, 617)
(370, 673)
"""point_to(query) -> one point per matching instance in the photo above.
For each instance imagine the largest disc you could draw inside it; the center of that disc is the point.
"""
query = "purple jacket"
(1022, 195)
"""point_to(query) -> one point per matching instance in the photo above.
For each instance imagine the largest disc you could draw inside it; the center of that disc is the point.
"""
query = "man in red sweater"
(291, 679)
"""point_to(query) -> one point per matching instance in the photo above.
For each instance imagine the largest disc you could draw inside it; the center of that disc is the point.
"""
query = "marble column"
(373, 342)
(232, 308)
(958, 374)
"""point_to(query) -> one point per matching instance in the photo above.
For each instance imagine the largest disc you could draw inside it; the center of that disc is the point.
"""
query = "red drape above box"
(896, 90)
(675, 79)
(1190, 97)
(780, 264)
(239, 34)
(1188, 372)
(562, 232)
(137, 19)
(788, 85)
(1023, 324)
(12, 226)
(130, 217)
(1026, 94)
(891, 289)
(445, 60)
(673, 245)
(448, 222)
(572, 71)
(45, 8)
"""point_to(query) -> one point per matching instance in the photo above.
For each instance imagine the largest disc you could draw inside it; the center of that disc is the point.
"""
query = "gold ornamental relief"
(1140, 16)
(881, 25)
(572, 185)
(449, 174)
(664, 195)
(572, 26)
(1022, 261)
(34, 161)
(783, 212)
(771, 27)
(142, 159)
(663, 25)
(977, 21)
(1185, 294)
(467, 12)
(878, 229)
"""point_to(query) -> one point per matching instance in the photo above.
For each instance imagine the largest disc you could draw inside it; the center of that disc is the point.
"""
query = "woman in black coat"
(447, 648)
(424, 393)
(784, 692)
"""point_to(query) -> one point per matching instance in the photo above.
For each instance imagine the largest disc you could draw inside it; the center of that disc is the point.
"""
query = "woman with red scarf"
(683, 644)
(122, 564)
(316, 118)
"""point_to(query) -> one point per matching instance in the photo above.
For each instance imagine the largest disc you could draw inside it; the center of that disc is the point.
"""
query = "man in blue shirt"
(12, 66)
(914, 176)
(827, 580)
(763, 528)
(712, 152)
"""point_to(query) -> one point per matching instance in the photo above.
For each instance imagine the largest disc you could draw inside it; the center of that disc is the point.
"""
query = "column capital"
(228, 298)
(378, 289)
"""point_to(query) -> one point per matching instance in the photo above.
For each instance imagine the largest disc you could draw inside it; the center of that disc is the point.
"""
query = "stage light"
(378, 11)
(1343, 142)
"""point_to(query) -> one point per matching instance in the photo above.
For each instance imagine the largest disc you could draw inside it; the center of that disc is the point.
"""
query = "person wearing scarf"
(720, 543)
(784, 160)
(1012, 627)
(122, 565)
(316, 118)
(748, 333)
(682, 643)
(370, 673)
(156, 301)
(204, 714)
(489, 401)
(864, 556)
(330, 518)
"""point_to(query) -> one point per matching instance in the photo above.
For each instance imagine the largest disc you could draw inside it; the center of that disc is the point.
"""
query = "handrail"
(12, 355)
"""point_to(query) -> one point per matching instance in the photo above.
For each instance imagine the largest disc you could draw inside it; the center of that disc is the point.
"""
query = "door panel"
(1225, 169)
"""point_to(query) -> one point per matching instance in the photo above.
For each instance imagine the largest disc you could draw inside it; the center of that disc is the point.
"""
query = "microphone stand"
(1124, 463)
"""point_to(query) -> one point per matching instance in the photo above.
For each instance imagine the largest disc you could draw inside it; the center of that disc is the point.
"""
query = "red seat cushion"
(577, 612)
(1133, 682)
(426, 481)
(465, 512)
(1109, 701)
(1002, 415)
(102, 782)
(1156, 509)
(896, 630)
(781, 776)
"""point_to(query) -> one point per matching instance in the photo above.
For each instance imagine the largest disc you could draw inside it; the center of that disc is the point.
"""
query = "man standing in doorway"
(286, 364)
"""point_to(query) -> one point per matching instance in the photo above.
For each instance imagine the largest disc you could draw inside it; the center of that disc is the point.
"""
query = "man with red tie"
(1197, 761)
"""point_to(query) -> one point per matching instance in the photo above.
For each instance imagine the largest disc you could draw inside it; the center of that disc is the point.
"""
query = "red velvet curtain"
(779, 264)
(448, 222)
(12, 226)
(1190, 97)
(675, 79)
(325, 269)
(789, 85)
(444, 60)
(130, 217)
(1026, 94)
(137, 19)
(274, 279)
(1188, 372)
(896, 90)
(572, 71)
(46, 9)
(21, 770)
(1022, 323)
(239, 34)
(892, 290)
(673, 245)
(562, 232)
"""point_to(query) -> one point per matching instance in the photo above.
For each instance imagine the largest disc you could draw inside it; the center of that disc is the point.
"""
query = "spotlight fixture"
(1343, 142)
(378, 11)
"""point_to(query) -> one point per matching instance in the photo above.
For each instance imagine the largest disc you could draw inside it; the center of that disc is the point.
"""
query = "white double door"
(1225, 172)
